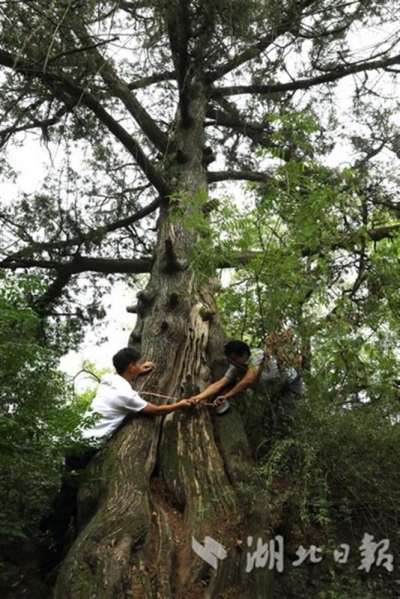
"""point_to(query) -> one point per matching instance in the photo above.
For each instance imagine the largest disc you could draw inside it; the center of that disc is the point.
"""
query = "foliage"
(317, 265)
(38, 416)
(319, 268)
(340, 466)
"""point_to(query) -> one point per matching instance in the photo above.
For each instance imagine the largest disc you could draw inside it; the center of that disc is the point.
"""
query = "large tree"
(145, 97)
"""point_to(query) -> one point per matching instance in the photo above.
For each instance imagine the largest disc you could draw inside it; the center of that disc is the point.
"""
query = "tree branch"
(248, 54)
(346, 242)
(380, 232)
(81, 264)
(331, 76)
(91, 236)
(216, 176)
(34, 124)
(289, 21)
(151, 79)
(179, 34)
(81, 49)
(234, 120)
(53, 293)
(121, 90)
(230, 117)
(349, 240)
(65, 89)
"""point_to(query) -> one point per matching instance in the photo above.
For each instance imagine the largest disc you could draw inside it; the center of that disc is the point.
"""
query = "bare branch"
(151, 79)
(329, 77)
(83, 264)
(288, 21)
(86, 237)
(216, 176)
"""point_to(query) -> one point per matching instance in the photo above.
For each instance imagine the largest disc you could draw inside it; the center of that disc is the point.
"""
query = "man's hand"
(146, 367)
(218, 400)
(185, 403)
(194, 400)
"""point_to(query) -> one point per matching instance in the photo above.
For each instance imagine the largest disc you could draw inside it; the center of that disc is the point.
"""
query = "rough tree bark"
(160, 483)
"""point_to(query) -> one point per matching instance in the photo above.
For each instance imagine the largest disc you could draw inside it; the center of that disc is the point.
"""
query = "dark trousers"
(281, 409)
(64, 505)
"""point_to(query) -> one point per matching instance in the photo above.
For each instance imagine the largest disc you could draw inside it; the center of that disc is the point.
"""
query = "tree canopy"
(103, 81)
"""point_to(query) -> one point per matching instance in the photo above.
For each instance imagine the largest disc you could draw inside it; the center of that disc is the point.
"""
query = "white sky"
(116, 328)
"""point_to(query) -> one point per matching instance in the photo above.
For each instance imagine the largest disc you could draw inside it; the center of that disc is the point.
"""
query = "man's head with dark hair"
(237, 349)
(124, 358)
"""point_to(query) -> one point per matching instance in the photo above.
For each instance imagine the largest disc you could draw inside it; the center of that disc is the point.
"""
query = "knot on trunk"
(170, 262)
(172, 302)
(208, 156)
(164, 325)
(206, 313)
(135, 338)
(182, 157)
(145, 301)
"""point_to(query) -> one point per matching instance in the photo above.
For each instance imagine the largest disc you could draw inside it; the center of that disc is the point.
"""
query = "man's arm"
(212, 389)
(154, 410)
(243, 384)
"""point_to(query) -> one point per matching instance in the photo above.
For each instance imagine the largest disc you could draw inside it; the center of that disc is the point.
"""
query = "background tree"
(144, 97)
(37, 419)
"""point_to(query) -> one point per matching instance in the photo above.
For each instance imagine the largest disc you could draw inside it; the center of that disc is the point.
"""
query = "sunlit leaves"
(313, 265)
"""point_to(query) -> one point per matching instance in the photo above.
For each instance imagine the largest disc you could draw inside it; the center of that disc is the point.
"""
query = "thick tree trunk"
(162, 483)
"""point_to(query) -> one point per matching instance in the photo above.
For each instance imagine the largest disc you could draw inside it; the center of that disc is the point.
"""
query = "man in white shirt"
(115, 400)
